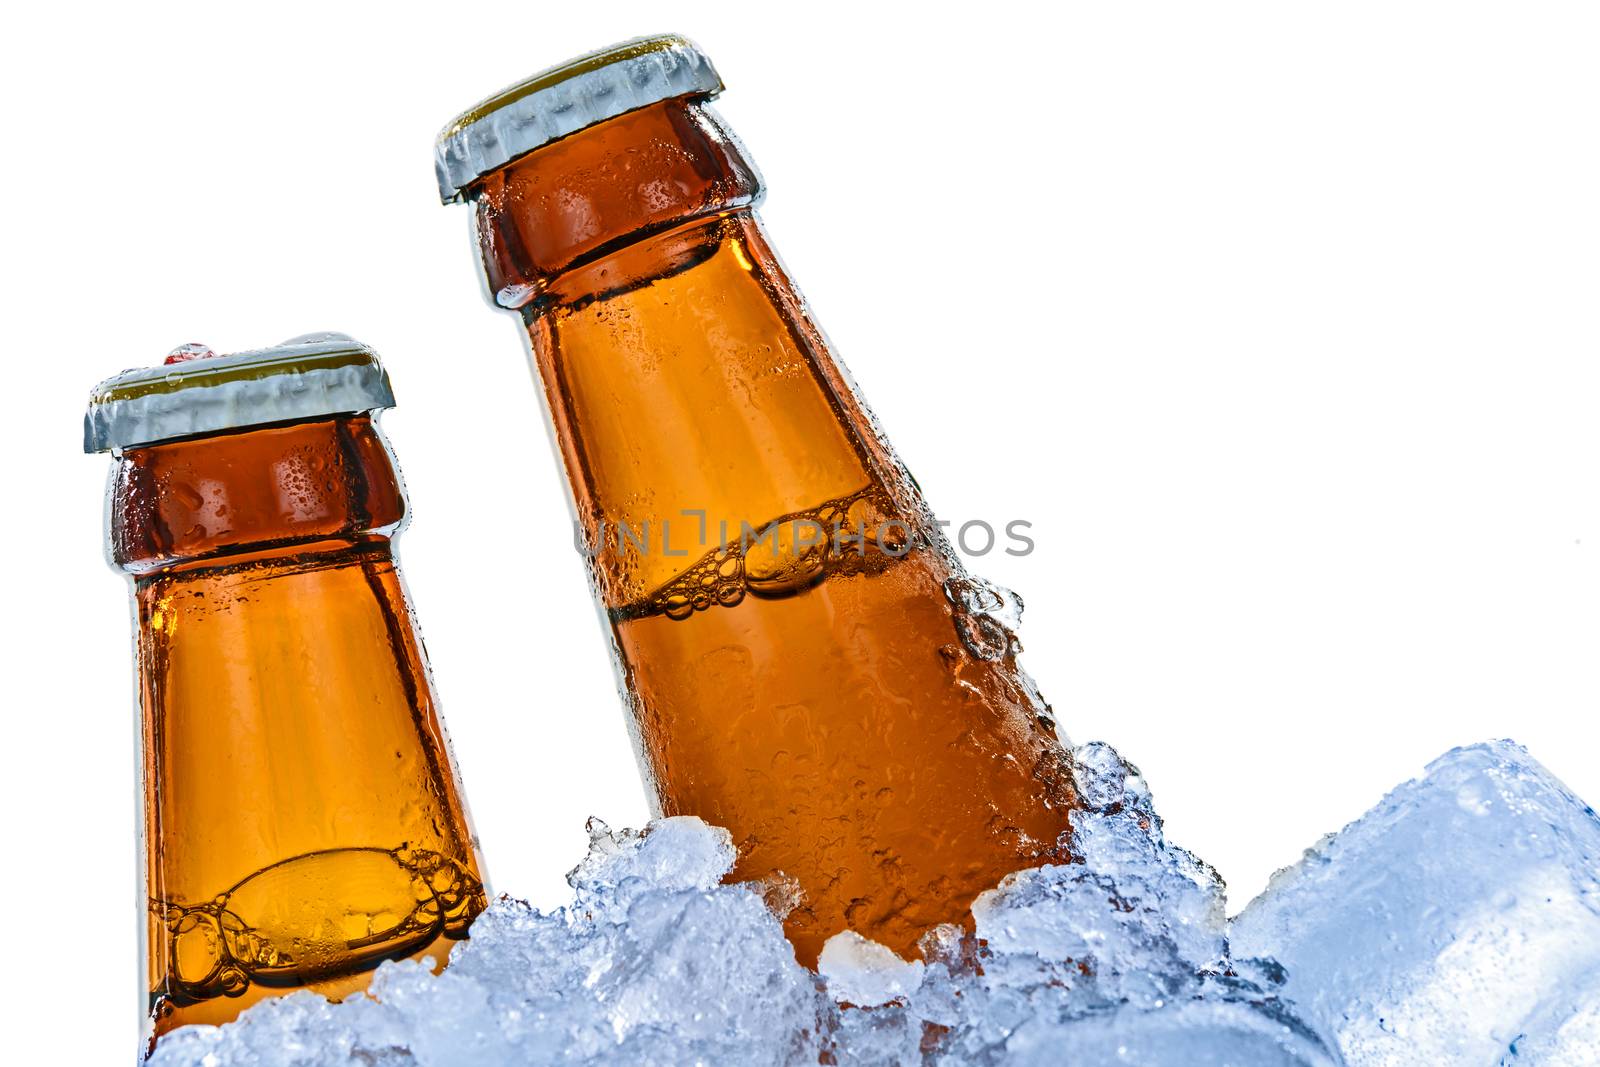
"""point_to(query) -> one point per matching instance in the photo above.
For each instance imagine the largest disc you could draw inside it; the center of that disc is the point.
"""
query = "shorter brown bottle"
(303, 820)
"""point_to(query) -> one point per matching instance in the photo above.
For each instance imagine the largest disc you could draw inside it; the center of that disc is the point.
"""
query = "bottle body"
(805, 661)
(303, 821)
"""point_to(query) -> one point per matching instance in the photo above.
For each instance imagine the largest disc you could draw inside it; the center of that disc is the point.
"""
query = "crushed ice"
(1459, 922)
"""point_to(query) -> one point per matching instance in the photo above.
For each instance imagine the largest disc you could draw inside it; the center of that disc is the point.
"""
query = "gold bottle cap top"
(566, 99)
(197, 391)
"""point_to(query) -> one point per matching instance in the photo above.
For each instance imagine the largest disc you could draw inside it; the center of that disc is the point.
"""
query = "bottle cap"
(197, 391)
(566, 99)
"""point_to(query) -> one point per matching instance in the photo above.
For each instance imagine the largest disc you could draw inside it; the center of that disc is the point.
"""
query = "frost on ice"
(1457, 923)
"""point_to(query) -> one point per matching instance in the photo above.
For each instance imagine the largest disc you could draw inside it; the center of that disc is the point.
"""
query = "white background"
(1278, 322)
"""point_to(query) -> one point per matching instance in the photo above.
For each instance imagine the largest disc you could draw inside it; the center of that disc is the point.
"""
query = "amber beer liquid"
(302, 819)
(850, 706)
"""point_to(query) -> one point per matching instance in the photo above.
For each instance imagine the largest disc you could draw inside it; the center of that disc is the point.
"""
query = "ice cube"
(298, 1030)
(865, 973)
(1215, 1031)
(1146, 915)
(1119, 958)
(675, 853)
(1458, 922)
(1100, 776)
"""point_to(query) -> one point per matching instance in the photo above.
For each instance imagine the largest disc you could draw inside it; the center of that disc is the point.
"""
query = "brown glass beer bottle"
(805, 660)
(302, 817)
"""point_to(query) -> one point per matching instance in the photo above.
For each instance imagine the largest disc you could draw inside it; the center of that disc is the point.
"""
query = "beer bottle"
(302, 817)
(804, 659)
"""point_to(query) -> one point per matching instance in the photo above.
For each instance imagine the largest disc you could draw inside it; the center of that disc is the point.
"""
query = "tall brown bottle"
(805, 661)
(302, 818)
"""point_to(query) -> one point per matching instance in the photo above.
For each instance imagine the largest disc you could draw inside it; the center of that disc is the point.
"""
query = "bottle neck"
(690, 392)
(597, 191)
(263, 490)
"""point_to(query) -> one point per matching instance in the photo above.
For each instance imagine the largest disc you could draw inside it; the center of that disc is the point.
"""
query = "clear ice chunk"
(1458, 922)
(864, 973)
